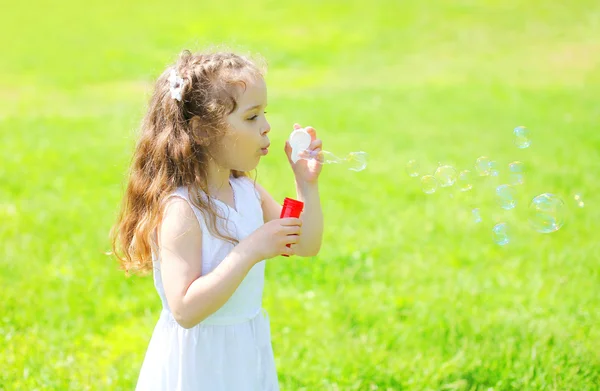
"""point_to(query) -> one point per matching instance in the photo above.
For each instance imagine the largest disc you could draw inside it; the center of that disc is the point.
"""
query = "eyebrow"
(252, 108)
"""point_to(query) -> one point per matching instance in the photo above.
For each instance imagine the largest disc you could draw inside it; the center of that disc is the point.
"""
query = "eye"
(254, 117)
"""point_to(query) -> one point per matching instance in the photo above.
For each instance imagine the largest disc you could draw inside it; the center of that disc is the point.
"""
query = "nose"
(266, 129)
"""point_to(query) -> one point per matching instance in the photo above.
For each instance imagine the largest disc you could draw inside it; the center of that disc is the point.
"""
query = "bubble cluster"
(547, 213)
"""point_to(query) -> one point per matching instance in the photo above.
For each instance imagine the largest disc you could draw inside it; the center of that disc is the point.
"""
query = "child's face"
(246, 139)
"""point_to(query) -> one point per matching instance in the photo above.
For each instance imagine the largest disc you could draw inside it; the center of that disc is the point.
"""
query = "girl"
(193, 216)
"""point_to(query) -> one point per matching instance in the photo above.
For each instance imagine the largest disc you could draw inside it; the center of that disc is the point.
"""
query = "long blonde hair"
(173, 150)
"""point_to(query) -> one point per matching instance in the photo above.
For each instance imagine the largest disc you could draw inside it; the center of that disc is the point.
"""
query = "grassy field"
(408, 293)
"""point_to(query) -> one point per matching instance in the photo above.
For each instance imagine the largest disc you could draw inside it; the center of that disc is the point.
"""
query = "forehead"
(254, 93)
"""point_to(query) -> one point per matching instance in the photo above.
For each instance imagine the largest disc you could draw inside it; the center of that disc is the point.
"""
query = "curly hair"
(173, 149)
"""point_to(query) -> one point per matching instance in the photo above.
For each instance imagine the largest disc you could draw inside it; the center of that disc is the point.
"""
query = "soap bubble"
(522, 137)
(494, 168)
(323, 157)
(445, 175)
(464, 180)
(429, 184)
(482, 166)
(579, 200)
(506, 195)
(547, 213)
(476, 215)
(412, 168)
(355, 161)
(516, 169)
(500, 234)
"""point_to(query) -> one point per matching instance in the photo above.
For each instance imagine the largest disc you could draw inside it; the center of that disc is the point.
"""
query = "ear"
(199, 131)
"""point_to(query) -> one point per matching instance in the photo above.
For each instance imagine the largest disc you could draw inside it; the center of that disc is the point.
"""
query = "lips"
(265, 150)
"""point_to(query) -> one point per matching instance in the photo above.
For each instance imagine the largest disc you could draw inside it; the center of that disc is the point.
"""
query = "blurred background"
(409, 291)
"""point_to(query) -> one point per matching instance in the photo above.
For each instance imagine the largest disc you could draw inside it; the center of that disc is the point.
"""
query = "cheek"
(245, 145)
(242, 143)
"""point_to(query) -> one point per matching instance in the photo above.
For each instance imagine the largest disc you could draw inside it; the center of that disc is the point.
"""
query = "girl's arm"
(193, 297)
(309, 242)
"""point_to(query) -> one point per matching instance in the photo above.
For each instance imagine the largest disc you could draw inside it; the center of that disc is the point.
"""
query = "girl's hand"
(272, 238)
(307, 171)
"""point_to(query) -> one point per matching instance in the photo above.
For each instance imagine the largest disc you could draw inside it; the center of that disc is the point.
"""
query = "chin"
(247, 167)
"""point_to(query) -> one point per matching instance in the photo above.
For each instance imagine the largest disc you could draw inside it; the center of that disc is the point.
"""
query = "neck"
(218, 178)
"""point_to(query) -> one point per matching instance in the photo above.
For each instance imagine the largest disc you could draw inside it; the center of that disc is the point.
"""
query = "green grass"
(407, 293)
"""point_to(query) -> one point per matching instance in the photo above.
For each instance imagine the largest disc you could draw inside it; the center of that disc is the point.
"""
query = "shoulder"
(178, 220)
(262, 192)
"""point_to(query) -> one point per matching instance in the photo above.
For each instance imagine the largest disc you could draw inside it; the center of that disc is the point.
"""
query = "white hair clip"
(176, 85)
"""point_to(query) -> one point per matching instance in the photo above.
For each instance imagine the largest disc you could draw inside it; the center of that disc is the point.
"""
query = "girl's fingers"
(292, 239)
(313, 133)
(294, 230)
(288, 149)
(288, 250)
(315, 144)
(291, 221)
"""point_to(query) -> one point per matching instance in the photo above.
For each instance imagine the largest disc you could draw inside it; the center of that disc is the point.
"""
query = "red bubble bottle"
(291, 208)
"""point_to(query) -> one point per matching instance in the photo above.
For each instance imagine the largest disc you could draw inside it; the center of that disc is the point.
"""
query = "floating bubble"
(522, 137)
(445, 175)
(476, 215)
(494, 168)
(579, 200)
(547, 213)
(506, 196)
(355, 161)
(516, 169)
(412, 168)
(429, 184)
(500, 234)
(482, 166)
(464, 180)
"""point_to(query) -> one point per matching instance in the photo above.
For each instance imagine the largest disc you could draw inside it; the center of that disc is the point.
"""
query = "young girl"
(193, 216)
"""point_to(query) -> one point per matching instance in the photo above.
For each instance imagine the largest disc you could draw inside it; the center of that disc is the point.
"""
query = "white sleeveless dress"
(231, 349)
